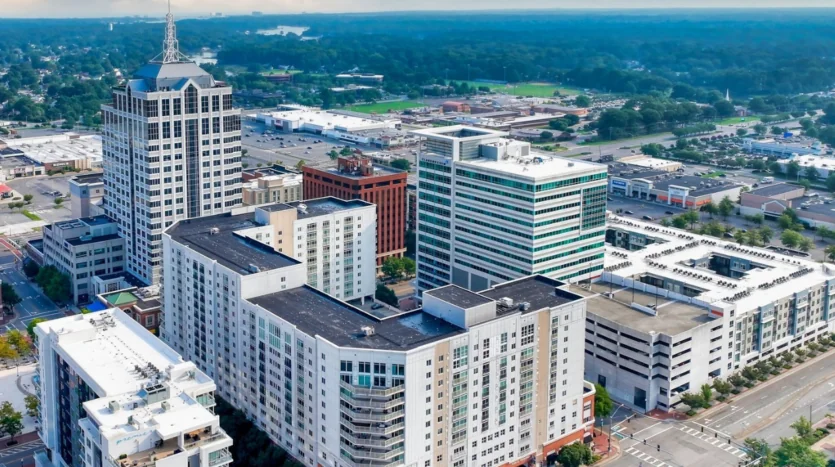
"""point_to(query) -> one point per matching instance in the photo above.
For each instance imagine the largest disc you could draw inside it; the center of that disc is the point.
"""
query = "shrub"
(735, 391)
(749, 384)
(691, 413)
(830, 426)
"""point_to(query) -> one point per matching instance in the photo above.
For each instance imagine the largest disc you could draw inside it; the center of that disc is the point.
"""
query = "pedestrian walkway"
(25, 442)
(646, 459)
(714, 441)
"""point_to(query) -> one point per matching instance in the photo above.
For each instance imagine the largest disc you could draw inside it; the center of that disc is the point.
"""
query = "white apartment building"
(475, 379)
(172, 151)
(83, 249)
(490, 210)
(214, 262)
(113, 395)
(676, 310)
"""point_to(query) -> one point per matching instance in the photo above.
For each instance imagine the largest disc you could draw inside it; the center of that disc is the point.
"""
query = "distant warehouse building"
(772, 147)
(823, 164)
(64, 151)
(298, 119)
(660, 186)
(772, 200)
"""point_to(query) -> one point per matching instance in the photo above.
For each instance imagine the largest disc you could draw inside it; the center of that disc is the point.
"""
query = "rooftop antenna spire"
(170, 46)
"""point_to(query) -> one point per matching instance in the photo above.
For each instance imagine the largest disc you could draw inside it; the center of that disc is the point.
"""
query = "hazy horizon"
(183, 8)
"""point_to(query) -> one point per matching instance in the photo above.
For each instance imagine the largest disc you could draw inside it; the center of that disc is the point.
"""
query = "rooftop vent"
(506, 302)
(525, 306)
(253, 268)
(214, 231)
(367, 330)
(303, 208)
(166, 406)
(113, 406)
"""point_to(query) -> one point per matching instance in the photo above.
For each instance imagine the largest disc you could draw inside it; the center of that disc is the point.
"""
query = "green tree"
(666, 222)
(9, 295)
(759, 449)
(830, 181)
(20, 342)
(582, 101)
(760, 129)
(792, 169)
(546, 136)
(346, 151)
(766, 234)
(28, 198)
(811, 173)
(392, 267)
(795, 452)
(706, 392)
(803, 427)
(805, 244)
(575, 455)
(31, 268)
(11, 421)
(692, 218)
(680, 222)
(740, 237)
(385, 295)
(6, 349)
(55, 284)
(333, 154)
(299, 165)
(830, 252)
(722, 387)
(711, 208)
(790, 238)
(741, 132)
(824, 232)
(726, 207)
(602, 402)
(757, 164)
(401, 164)
(30, 328)
(33, 405)
(806, 184)
(692, 400)
(776, 168)
(409, 266)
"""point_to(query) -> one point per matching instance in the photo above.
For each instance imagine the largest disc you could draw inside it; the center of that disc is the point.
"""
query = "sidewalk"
(600, 441)
(21, 439)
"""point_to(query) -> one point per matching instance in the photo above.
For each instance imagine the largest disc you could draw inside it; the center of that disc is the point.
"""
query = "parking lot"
(43, 205)
(290, 148)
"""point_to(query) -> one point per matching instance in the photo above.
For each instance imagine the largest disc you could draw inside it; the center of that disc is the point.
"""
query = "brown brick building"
(358, 178)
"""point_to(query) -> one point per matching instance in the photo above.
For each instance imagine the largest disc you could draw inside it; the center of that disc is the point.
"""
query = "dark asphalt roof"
(89, 178)
(318, 314)
(710, 185)
(540, 291)
(776, 189)
(226, 247)
(458, 296)
(87, 240)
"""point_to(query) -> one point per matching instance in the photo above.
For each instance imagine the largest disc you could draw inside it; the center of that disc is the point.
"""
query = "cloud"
(111, 8)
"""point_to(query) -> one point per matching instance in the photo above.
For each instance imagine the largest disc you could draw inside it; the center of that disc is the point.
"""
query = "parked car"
(630, 213)
(669, 213)
(647, 218)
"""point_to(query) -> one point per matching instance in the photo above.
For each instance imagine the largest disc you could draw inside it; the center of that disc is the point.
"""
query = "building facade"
(86, 194)
(684, 309)
(489, 210)
(84, 248)
(113, 395)
(283, 188)
(172, 151)
(357, 178)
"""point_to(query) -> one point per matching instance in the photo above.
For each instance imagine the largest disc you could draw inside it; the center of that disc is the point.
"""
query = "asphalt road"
(35, 304)
(769, 412)
(20, 455)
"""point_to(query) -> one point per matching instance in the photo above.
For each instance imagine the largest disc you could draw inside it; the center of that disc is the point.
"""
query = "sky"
(115, 8)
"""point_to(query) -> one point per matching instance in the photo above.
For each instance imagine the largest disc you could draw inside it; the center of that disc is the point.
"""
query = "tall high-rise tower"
(172, 151)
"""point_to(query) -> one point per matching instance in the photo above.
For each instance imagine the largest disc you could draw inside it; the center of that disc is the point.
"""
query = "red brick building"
(358, 178)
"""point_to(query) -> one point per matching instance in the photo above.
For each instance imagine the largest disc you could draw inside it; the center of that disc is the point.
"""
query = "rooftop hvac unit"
(113, 406)
(525, 306)
(214, 231)
(506, 302)
(166, 406)
(367, 330)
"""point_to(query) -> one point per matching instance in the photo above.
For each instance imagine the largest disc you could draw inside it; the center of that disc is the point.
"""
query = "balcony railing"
(363, 454)
(372, 417)
(375, 430)
(376, 443)
(371, 392)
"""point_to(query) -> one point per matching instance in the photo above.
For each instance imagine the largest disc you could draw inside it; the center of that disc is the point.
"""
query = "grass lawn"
(737, 120)
(625, 140)
(713, 175)
(383, 107)
(528, 89)
(30, 215)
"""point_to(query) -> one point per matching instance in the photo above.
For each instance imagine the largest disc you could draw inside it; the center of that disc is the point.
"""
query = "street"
(717, 438)
(35, 304)
(21, 454)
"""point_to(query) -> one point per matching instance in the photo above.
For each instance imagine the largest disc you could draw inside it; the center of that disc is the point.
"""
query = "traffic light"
(703, 429)
(659, 448)
(645, 442)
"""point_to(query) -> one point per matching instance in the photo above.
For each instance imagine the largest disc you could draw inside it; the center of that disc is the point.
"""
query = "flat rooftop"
(535, 166)
(225, 246)
(323, 206)
(328, 121)
(681, 256)
(458, 296)
(540, 291)
(673, 317)
(775, 189)
(87, 179)
(318, 314)
(630, 172)
(698, 186)
(458, 132)
(10, 162)
(108, 347)
(59, 148)
(378, 171)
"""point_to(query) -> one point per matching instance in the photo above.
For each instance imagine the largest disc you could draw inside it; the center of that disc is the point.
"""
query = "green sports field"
(383, 107)
(527, 89)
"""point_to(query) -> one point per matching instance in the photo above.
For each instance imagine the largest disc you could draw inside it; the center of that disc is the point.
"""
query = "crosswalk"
(711, 439)
(645, 458)
(21, 448)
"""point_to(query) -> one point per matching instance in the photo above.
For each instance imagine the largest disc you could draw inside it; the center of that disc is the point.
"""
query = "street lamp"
(609, 448)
